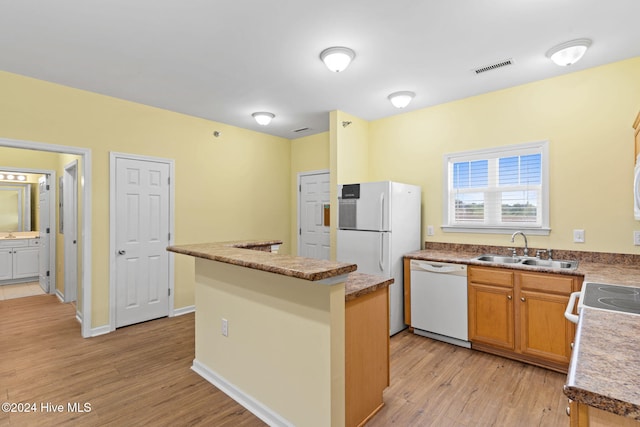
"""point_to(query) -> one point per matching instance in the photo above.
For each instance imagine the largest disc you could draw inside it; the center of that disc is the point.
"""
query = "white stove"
(603, 296)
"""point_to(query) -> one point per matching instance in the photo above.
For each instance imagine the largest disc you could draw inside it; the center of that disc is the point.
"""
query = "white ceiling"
(223, 60)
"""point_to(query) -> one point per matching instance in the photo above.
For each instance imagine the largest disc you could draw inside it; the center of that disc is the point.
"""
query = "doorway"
(85, 218)
(40, 213)
(313, 215)
(141, 226)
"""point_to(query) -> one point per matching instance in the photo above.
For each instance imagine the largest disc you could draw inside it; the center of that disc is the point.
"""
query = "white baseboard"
(100, 330)
(59, 295)
(184, 310)
(252, 405)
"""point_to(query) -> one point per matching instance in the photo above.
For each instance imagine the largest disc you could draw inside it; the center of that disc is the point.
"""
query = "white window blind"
(497, 190)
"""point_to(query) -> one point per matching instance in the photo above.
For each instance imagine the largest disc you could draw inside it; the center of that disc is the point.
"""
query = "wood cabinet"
(19, 260)
(636, 127)
(366, 355)
(520, 314)
(582, 415)
(491, 319)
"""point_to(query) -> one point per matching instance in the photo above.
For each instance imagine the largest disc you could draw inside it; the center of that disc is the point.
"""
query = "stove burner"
(619, 289)
(611, 297)
(621, 303)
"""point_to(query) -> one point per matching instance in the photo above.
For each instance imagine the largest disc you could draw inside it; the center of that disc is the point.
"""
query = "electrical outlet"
(578, 236)
(636, 238)
(429, 230)
(225, 328)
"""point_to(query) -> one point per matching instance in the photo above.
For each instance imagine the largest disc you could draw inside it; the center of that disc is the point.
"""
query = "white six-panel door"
(314, 237)
(142, 235)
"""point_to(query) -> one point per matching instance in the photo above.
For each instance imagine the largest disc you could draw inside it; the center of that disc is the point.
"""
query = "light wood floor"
(139, 375)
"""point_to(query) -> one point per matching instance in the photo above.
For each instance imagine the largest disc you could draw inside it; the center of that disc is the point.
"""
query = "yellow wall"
(282, 331)
(227, 188)
(587, 116)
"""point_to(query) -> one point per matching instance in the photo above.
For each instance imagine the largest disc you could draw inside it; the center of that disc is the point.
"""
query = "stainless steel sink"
(498, 259)
(534, 262)
(551, 264)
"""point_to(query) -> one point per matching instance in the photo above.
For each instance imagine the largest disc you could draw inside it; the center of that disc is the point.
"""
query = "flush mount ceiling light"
(263, 118)
(568, 53)
(337, 58)
(401, 99)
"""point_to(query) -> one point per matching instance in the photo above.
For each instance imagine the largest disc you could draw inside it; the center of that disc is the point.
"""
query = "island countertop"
(238, 253)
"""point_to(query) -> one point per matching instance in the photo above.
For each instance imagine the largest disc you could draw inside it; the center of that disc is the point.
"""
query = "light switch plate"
(429, 230)
(636, 238)
(578, 236)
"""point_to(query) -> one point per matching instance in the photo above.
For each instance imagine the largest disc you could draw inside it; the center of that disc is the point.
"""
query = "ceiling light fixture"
(401, 99)
(568, 53)
(337, 58)
(263, 118)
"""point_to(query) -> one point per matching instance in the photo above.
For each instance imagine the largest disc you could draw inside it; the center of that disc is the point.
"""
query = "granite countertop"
(288, 265)
(604, 364)
(593, 266)
(360, 284)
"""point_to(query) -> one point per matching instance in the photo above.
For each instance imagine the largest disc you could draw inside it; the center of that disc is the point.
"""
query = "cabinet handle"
(568, 411)
(509, 297)
(522, 299)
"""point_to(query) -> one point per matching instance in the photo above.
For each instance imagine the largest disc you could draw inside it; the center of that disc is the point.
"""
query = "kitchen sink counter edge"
(590, 266)
(602, 371)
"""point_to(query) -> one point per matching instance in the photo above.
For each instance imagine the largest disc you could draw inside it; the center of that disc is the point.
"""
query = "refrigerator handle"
(381, 249)
(382, 211)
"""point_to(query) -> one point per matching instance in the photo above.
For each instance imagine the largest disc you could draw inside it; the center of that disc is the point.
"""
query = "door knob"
(121, 252)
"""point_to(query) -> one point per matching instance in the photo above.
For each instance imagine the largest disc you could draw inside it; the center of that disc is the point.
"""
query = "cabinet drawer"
(13, 243)
(547, 283)
(34, 242)
(491, 276)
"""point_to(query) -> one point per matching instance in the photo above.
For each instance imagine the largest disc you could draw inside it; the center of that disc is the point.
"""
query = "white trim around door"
(113, 157)
(85, 235)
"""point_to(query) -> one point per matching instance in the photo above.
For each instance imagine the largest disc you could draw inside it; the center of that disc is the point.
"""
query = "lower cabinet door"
(6, 264)
(491, 319)
(544, 331)
(26, 262)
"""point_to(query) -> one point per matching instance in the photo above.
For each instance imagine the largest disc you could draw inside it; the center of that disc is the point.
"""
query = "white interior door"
(313, 237)
(142, 235)
(70, 230)
(45, 230)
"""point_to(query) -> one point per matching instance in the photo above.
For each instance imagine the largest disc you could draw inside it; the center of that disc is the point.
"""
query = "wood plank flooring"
(140, 375)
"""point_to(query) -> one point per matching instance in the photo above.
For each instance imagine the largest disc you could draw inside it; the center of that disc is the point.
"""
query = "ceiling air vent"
(300, 130)
(494, 66)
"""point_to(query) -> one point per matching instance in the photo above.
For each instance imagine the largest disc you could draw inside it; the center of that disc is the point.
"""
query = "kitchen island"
(280, 333)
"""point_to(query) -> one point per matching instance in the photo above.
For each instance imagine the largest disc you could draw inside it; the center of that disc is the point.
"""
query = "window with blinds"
(497, 190)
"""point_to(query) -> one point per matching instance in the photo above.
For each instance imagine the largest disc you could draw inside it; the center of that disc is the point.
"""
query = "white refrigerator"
(378, 222)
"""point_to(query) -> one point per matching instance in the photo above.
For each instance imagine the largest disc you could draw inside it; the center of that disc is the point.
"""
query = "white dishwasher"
(439, 301)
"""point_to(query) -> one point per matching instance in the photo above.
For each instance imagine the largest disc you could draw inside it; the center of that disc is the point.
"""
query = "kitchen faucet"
(526, 245)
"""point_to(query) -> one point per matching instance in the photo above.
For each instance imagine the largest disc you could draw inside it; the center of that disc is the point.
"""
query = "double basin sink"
(533, 262)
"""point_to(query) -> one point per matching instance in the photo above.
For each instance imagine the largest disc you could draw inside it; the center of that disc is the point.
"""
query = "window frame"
(541, 147)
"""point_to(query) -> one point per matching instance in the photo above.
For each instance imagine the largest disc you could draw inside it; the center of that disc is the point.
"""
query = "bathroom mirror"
(15, 206)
